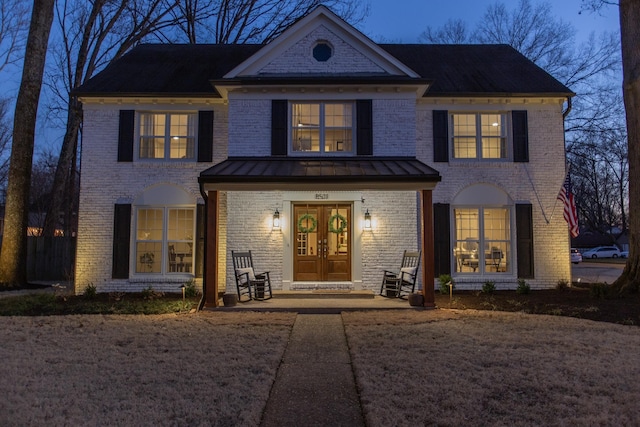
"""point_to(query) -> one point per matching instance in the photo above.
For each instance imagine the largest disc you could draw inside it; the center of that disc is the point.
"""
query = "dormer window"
(322, 52)
(322, 127)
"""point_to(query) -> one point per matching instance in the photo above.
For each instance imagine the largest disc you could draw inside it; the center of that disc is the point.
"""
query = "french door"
(323, 242)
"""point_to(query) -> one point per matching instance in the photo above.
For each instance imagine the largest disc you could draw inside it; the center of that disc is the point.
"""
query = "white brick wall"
(394, 127)
(395, 229)
(105, 182)
(249, 127)
(397, 123)
(298, 59)
(536, 182)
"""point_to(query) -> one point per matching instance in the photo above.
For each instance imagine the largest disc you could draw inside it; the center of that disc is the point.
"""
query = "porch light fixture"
(276, 220)
(367, 220)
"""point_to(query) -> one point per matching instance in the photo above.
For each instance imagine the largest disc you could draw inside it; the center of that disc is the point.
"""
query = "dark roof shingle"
(456, 70)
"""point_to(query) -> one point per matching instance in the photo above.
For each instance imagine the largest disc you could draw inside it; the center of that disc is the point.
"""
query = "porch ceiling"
(305, 173)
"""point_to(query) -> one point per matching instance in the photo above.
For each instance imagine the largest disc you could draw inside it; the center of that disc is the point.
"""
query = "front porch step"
(325, 294)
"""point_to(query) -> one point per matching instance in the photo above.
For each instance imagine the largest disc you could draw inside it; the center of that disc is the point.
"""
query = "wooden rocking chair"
(399, 284)
(248, 282)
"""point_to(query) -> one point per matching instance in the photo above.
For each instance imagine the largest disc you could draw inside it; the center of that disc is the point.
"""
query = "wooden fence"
(50, 258)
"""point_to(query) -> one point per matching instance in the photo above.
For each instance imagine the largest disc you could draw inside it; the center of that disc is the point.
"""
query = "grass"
(117, 303)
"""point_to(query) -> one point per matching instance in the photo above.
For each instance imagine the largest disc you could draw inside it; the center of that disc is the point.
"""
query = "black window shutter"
(279, 127)
(520, 136)
(442, 239)
(125, 135)
(121, 241)
(364, 127)
(205, 136)
(524, 230)
(199, 243)
(440, 136)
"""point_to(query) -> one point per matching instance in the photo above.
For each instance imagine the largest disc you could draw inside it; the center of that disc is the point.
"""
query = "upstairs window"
(322, 127)
(479, 136)
(169, 136)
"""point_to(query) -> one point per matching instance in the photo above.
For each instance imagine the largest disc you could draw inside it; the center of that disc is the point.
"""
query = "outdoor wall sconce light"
(367, 221)
(276, 220)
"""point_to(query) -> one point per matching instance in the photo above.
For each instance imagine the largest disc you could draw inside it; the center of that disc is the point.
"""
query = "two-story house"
(285, 149)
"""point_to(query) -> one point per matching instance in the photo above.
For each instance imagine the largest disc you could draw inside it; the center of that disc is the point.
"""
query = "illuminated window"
(479, 136)
(167, 136)
(164, 240)
(482, 243)
(323, 127)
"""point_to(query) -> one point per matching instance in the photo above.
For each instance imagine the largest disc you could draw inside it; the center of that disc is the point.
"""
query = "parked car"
(576, 256)
(602, 252)
(624, 254)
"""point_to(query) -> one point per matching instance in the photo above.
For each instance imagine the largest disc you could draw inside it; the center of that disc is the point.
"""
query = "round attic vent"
(322, 52)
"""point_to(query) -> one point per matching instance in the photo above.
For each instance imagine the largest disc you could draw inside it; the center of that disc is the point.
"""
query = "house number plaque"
(322, 196)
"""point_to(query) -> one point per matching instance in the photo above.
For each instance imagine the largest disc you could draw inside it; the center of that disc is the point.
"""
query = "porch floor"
(320, 302)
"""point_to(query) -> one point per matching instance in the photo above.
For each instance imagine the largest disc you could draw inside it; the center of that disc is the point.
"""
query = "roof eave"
(498, 95)
(89, 94)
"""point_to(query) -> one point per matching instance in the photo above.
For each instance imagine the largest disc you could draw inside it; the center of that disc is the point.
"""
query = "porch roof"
(312, 173)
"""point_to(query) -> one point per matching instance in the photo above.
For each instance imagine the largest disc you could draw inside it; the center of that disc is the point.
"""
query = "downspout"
(566, 112)
(204, 257)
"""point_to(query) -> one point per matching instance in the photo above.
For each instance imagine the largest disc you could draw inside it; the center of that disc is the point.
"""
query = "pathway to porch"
(315, 385)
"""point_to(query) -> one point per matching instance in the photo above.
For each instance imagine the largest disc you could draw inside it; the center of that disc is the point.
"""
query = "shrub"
(190, 290)
(444, 280)
(90, 291)
(151, 294)
(523, 287)
(599, 290)
(489, 287)
(562, 284)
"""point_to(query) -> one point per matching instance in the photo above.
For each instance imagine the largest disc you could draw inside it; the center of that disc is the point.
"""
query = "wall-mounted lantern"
(276, 220)
(367, 221)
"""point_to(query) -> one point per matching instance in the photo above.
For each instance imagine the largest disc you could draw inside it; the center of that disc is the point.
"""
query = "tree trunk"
(630, 36)
(13, 263)
(64, 169)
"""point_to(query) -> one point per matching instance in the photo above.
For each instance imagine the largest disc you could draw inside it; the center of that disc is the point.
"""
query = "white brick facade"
(402, 126)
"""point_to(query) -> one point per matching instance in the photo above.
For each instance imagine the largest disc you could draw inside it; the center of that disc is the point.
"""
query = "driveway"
(592, 272)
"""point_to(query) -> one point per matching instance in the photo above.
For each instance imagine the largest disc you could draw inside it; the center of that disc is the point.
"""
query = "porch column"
(211, 267)
(428, 266)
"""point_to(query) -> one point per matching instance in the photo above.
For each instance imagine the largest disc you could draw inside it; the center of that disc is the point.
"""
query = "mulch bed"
(575, 302)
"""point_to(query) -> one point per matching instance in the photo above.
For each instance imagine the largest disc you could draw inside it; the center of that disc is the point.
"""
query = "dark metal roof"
(363, 172)
(456, 70)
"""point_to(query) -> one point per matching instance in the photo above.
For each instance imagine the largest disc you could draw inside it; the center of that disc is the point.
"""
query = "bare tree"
(93, 34)
(13, 265)
(250, 21)
(599, 168)
(14, 16)
(589, 69)
(5, 141)
(454, 31)
(630, 36)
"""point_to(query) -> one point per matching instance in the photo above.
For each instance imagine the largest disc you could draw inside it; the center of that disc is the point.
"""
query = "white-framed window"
(482, 242)
(479, 135)
(169, 136)
(322, 128)
(164, 240)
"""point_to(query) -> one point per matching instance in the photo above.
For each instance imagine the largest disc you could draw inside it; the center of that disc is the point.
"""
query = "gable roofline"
(319, 16)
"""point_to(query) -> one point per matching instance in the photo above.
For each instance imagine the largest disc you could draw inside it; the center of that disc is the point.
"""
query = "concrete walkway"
(315, 385)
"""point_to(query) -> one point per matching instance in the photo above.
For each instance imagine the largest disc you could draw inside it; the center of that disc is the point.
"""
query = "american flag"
(570, 212)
